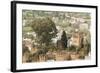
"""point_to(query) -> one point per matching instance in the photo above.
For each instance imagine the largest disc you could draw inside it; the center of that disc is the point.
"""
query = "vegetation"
(64, 39)
(47, 28)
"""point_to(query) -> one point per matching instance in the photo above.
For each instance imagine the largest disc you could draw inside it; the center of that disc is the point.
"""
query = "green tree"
(64, 39)
(45, 30)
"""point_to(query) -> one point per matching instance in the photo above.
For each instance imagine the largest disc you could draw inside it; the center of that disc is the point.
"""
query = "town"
(55, 36)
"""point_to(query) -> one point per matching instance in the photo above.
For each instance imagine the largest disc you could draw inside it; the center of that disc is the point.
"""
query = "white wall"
(5, 36)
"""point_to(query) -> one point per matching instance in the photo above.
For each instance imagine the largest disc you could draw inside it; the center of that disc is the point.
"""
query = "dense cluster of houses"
(74, 40)
(77, 39)
(54, 56)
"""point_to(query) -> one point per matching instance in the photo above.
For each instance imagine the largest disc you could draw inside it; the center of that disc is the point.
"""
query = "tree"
(45, 30)
(64, 39)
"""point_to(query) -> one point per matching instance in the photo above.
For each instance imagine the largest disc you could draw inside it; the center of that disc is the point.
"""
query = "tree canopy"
(64, 39)
(45, 30)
